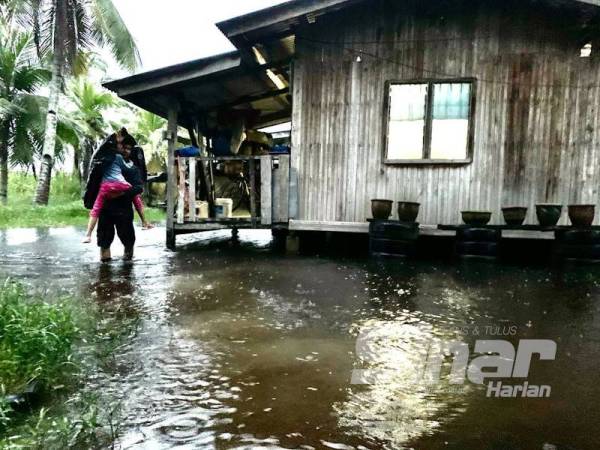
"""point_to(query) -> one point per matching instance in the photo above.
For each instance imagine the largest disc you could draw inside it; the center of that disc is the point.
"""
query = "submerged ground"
(240, 347)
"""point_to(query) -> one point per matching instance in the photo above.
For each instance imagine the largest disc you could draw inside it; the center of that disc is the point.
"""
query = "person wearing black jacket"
(117, 214)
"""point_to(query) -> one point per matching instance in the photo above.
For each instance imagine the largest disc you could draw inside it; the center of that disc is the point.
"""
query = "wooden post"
(206, 175)
(265, 189)
(192, 189)
(281, 190)
(172, 175)
(251, 169)
(182, 164)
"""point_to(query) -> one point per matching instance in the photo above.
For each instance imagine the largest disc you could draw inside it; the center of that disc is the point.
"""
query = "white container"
(202, 209)
(223, 208)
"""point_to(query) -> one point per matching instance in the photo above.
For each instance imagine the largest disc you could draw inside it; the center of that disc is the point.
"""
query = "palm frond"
(44, 33)
(8, 108)
(78, 36)
(110, 31)
(27, 130)
(29, 79)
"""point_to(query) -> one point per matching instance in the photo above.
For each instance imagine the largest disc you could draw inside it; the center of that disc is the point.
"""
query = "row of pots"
(548, 214)
(382, 210)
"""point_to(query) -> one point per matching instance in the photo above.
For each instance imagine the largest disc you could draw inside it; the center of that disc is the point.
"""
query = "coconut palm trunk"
(88, 150)
(42, 192)
(5, 131)
(76, 165)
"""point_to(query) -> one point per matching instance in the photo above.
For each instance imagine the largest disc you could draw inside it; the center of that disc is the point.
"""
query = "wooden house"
(456, 104)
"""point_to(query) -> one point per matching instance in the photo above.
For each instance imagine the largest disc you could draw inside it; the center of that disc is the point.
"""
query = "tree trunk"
(76, 169)
(4, 130)
(43, 185)
(88, 150)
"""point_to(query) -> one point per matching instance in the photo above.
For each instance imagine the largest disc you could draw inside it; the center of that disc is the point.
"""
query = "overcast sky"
(172, 31)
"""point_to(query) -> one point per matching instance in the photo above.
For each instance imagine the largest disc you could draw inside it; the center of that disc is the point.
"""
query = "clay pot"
(548, 214)
(381, 209)
(476, 218)
(582, 215)
(514, 215)
(408, 211)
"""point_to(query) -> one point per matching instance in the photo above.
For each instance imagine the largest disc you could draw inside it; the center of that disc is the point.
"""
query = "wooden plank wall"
(281, 189)
(266, 190)
(537, 108)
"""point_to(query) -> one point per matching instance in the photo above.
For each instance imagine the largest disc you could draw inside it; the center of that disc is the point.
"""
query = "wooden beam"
(172, 174)
(281, 189)
(182, 164)
(169, 76)
(276, 17)
(193, 139)
(266, 171)
(174, 81)
(275, 118)
(192, 190)
(317, 225)
(252, 175)
(255, 98)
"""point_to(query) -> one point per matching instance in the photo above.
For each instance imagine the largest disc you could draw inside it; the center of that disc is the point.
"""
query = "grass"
(65, 207)
(36, 339)
(59, 344)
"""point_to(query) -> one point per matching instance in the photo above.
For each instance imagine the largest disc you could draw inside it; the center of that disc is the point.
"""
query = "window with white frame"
(429, 121)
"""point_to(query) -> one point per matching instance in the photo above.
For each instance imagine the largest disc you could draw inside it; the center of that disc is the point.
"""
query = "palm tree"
(20, 108)
(89, 104)
(147, 130)
(66, 29)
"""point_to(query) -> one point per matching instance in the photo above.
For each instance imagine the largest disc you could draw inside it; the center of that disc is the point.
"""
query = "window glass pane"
(450, 121)
(407, 121)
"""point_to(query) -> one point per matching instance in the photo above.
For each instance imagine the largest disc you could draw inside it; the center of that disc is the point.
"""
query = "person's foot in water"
(105, 255)
(128, 254)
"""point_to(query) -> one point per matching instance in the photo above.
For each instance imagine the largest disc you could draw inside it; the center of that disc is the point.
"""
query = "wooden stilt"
(172, 175)
(251, 169)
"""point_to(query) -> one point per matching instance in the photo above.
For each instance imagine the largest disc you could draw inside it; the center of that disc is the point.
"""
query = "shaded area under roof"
(208, 86)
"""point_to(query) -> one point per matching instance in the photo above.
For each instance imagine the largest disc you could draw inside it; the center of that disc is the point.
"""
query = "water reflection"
(19, 236)
(395, 404)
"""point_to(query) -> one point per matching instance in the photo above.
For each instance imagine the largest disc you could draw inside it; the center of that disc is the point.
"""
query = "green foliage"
(83, 424)
(21, 114)
(65, 207)
(147, 130)
(109, 29)
(84, 25)
(36, 339)
(89, 103)
(21, 108)
(62, 344)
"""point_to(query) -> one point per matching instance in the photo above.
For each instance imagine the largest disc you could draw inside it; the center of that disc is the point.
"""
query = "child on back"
(114, 185)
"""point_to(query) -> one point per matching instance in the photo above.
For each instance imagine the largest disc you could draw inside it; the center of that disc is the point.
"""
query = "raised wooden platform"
(518, 227)
(219, 224)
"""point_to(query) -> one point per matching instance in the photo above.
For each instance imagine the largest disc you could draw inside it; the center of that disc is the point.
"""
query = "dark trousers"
(119, 219)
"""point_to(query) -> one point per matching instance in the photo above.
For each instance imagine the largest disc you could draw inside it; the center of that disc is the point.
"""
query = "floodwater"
(241, 347)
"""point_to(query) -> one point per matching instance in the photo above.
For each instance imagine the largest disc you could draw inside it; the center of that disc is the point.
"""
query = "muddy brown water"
(241, 347)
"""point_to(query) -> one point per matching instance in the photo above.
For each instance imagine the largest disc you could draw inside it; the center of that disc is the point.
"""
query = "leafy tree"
(20, 108)
(147, 129)
(66, 29)
(90, 102)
